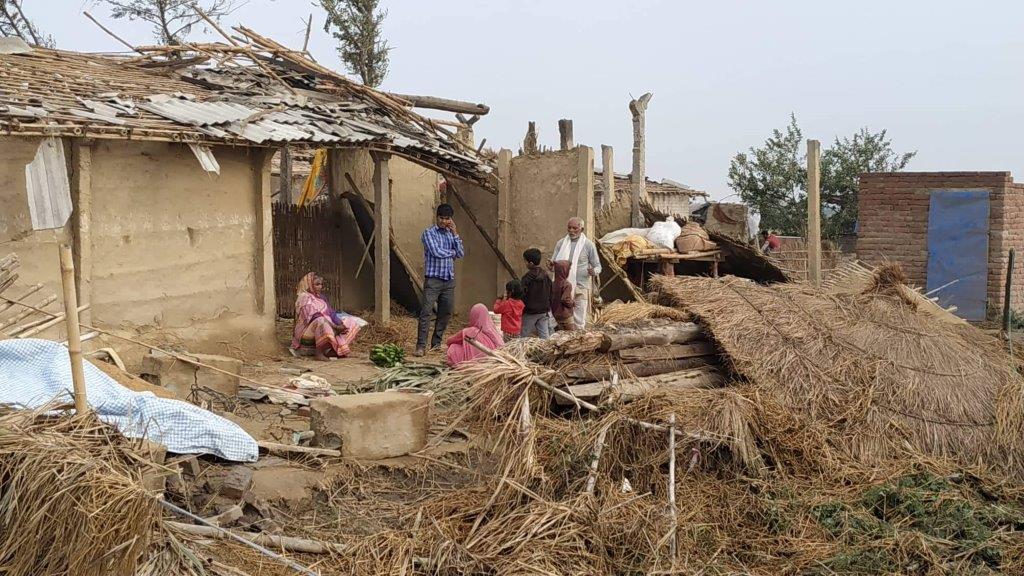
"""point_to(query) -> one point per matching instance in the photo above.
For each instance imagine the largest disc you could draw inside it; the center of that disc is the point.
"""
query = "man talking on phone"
(441, 246)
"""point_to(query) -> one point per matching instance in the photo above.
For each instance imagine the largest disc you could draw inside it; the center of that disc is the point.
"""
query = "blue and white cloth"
(440, 249)
(35, 372)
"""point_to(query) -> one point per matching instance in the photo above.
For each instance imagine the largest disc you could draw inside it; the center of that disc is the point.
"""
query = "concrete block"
(179, 376)
(371, 426)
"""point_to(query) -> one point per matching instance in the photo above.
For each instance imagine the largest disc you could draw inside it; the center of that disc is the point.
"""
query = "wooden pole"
(565, 134)
(814, 213)
(67, 276)
(285, 176)
(381, 239)
(607, 175)
(595, 460)
(638, 108)
(672, 485)
(1007, 312)
(487, 237)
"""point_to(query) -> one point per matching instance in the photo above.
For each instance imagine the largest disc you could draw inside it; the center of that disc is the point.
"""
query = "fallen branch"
(286, 449)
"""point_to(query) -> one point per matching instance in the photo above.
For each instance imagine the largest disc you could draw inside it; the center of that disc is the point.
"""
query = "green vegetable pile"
(387, 355)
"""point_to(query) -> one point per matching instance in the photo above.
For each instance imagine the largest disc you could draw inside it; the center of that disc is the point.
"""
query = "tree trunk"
(629, 390)
(676, 333)
(668, 352)
(637, 369)
(565, 134)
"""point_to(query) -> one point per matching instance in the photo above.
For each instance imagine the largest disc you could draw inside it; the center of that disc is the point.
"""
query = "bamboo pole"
(595, 459)
(483, 232)
(814, 213)
(1007, 313)
(672, 485)
(37, 326)
(67, 276)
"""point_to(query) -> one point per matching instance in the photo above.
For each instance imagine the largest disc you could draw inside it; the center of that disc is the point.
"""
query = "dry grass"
(881, 377)
(72, 500)
(625, 312)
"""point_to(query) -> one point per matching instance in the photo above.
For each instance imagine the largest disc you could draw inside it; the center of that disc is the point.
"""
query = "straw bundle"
(881, 377)
(72, 500)
(625, 312)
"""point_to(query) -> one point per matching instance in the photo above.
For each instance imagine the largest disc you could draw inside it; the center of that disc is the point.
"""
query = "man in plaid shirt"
(441, 246)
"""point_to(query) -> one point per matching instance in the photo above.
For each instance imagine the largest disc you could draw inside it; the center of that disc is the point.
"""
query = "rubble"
(373, 425)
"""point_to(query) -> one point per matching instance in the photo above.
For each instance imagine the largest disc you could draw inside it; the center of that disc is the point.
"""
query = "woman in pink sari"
(480, 329)
(320, 331)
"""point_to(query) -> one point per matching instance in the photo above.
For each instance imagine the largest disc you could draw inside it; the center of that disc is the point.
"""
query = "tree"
(773, 178)
(14, 23)
(172, 20)
(356, 24)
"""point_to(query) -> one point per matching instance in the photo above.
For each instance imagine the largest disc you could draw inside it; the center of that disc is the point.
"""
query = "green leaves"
(357, 25)
(773, 178)
(387, 355)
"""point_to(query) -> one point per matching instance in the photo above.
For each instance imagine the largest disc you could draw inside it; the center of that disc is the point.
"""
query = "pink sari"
(314, 319)
(480, 329)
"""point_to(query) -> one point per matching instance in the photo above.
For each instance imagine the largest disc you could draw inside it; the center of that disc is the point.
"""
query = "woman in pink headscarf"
(480, 329)
(320, 331)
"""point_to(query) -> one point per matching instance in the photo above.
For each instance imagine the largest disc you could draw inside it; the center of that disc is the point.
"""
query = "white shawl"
(574, 258)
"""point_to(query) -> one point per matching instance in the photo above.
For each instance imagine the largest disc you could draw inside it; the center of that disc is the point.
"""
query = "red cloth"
(774, 243)
(511, 311)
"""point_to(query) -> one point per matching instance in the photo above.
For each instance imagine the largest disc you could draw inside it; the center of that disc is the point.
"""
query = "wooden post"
(266, 299)
(67, 277)
(814, 213)
(82, 228)
(1007, 312)
(638, 108)
(565, 134)
(585, 188)
(504, 240)
(607, 175)
(381, 240)
(530, 141)
(285, 176)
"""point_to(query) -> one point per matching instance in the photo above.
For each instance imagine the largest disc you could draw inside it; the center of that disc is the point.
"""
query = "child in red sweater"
(511, 309)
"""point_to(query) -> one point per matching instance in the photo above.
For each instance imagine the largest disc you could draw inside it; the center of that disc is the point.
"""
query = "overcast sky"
(943, 77)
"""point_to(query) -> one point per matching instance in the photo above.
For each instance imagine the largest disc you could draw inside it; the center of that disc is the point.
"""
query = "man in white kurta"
(584, 265)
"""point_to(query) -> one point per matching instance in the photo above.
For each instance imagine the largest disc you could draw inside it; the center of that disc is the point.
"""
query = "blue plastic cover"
(958, 250)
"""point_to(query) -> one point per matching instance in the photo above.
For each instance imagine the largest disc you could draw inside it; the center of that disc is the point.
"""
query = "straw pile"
(624, 312)
(72, 500)
(878, 375)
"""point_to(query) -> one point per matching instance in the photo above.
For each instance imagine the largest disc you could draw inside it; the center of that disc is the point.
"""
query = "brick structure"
(894, 224)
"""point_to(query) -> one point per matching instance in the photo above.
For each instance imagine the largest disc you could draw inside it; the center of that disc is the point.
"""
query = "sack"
(693, 238)
(664, 234)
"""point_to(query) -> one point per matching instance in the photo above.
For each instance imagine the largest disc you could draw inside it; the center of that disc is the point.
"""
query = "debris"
(230, 482)
(372, 426)
(285, 450)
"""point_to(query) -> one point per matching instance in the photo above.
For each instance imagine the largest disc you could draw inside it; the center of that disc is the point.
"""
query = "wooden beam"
(585, 188)
(504, 173)
(596, 373)
(448, 105)
(631, 389)
(607, 175)
(381, 237)
(668, 352)
(285, 176)
(638, 109)
(814, 213)
(81, 186)
(483, 232)
(565, 141)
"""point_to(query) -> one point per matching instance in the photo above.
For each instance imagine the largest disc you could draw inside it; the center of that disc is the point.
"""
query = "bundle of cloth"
(693, 238)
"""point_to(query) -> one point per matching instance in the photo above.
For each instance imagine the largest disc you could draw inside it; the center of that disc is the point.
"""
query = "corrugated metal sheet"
(198, 113)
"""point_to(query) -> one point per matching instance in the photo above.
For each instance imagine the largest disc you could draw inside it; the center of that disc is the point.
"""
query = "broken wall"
(547, 189)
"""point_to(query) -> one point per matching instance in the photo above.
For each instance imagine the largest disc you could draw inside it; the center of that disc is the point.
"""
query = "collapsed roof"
(252, 92)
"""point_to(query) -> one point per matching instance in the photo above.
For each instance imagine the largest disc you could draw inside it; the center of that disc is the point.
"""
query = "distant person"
(481, 329)
(772, 243)
(510, 306)
(563, 305)
(536, 297)
(441, 246)
(584, 264)
(320, 331)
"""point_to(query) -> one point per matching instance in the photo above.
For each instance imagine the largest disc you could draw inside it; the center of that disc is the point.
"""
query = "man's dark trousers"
(441, 293)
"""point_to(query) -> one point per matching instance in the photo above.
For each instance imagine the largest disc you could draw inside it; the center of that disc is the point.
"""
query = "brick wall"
(894, 222)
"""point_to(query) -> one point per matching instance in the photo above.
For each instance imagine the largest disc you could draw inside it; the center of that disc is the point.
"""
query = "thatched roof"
(878, 375)
(254, 92)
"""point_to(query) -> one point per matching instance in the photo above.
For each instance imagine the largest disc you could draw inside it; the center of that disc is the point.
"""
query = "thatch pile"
(72, 498)
(879, 376)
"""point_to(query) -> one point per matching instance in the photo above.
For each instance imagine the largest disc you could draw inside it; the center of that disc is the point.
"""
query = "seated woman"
(320, 331)
(481, 329)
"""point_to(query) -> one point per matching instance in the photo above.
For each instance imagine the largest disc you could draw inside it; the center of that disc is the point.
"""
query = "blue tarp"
(958, 250)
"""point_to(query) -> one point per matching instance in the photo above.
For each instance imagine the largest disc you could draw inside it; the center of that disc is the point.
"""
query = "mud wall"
(475, 274)
(547, 189)
(175, 248)
(37, 250)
